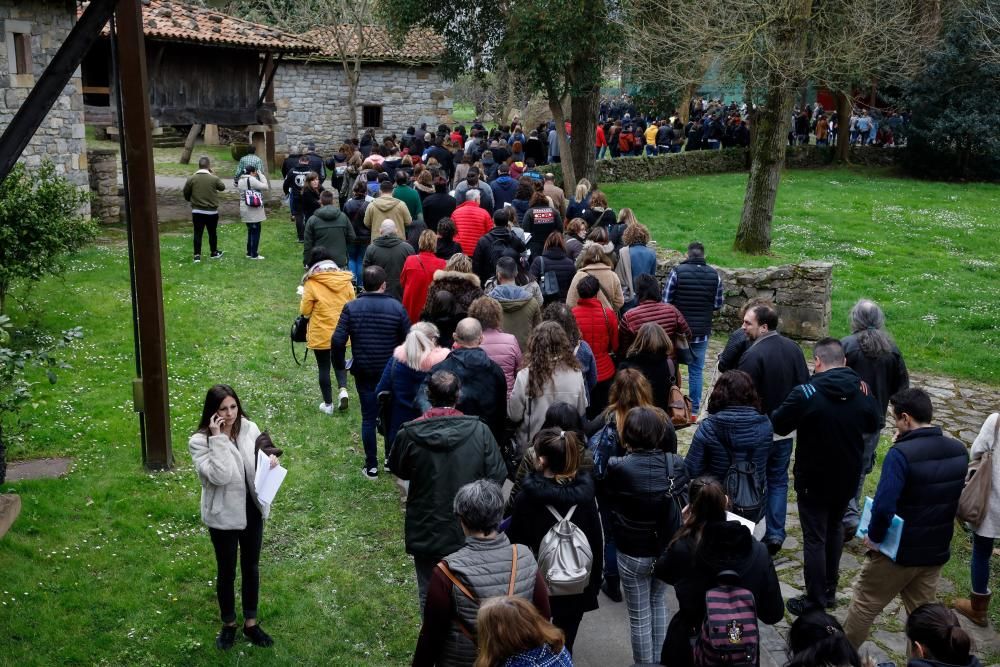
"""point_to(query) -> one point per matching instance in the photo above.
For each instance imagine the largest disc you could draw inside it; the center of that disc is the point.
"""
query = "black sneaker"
(799, 605)
(217, 254)
(226, 638)
(197, 259)
(831, 599)
(773, 547)
(257, 636)
(385, 465)
(370, 473)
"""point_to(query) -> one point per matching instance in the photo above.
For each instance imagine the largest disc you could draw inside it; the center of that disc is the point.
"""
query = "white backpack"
(564, 557)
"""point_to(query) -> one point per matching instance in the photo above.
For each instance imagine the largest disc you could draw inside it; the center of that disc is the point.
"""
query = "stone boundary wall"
(801, 293)
(726, 161)
(105, 203)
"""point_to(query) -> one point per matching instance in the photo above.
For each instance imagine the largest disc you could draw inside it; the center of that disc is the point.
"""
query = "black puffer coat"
(557, 261)
(643, 518)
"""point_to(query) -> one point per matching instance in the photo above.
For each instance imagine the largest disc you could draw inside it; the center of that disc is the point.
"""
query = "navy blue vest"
(694, 294)
(929, 499)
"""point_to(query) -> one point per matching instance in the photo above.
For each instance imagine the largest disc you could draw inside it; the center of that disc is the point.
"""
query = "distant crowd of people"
(505, 334)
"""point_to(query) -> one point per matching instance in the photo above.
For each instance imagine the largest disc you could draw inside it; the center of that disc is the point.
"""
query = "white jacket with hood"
(226, 469)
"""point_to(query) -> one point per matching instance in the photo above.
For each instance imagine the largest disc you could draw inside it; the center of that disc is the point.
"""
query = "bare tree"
(773, 48)
(987, 15)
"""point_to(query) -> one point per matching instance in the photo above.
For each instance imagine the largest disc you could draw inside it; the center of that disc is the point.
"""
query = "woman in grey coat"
(251, 214)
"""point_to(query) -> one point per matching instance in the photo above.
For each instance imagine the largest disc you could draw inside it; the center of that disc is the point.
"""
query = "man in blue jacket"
(922, 478)
(376, 323)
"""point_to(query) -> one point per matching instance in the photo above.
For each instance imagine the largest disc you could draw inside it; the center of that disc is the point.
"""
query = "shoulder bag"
(298, 335)
(682, 349)
(975, 498)
(549, 280)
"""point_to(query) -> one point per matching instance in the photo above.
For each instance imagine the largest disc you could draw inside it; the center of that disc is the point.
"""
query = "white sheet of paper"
(268, 480)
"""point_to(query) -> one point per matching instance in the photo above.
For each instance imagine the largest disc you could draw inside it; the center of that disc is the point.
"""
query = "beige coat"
(565, 386)
(990, 526)
(611, 286)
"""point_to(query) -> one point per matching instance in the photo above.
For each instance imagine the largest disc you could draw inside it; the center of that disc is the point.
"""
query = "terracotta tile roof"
(419, 46)
(173, 21)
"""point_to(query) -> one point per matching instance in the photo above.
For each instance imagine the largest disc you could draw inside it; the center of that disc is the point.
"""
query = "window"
(371, 115)
(22, 53)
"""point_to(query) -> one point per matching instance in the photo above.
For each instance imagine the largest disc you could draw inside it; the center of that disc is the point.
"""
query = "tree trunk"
(565, 157)
(843, 155)
(583, 114)
(768, 157)
(3, 458)
(685, 107)
(189, 143)
(353, 79)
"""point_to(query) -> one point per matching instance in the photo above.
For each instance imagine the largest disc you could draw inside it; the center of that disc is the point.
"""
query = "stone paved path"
(960, 408)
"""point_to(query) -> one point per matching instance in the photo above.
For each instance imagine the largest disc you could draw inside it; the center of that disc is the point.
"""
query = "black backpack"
(740, 483)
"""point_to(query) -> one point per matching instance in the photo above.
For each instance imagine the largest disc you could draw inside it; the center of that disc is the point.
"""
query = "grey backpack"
(564, 557)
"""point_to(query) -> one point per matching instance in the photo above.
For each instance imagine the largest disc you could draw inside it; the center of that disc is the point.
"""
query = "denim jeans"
(253, 238)
(610, 548)
(853, 514)
(355, 260)
(699, 350)
(982, 549)
(369, 410)
(777, 490)
(646, 599)
(649, 150)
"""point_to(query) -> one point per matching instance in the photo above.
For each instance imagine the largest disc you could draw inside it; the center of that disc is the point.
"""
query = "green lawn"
(927, 252)
(112, 565)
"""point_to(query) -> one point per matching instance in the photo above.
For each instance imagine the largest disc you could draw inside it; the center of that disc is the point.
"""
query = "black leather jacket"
(643, 516)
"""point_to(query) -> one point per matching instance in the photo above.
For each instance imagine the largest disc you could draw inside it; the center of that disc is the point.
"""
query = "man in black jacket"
(922, 478)
(498, 242)
(484, 387)
(776, 366)
(376, 323)
(831, 413)
(695, 289)
(439, 452)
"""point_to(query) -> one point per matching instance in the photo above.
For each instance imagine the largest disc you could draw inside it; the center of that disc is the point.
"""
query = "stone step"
(10, 507)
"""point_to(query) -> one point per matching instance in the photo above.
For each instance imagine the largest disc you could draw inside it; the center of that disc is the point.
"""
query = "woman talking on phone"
(224, 453)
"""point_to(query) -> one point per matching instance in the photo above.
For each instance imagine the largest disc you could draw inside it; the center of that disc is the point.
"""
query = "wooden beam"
(49, 87)
(140, 199)
(97, 90)
(270, 78)
(189, 143)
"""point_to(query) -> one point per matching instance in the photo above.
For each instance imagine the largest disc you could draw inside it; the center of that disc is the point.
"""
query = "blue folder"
(890, 545)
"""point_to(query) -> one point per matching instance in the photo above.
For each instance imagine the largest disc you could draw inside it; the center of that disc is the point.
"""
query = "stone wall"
(726, 161)
(801, 293)
(105, 204)
(311, 101)
(60, 138)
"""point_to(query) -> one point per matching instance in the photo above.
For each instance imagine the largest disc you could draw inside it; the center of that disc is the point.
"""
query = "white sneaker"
(258, 257)
(326, 408)
(370, 473)
(343, 398)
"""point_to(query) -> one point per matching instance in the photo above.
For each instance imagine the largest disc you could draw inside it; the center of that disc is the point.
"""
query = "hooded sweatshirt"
(325, 292)
(387, 208)
(504, 188)
(832, 413)
(329, 228)
(521, 312)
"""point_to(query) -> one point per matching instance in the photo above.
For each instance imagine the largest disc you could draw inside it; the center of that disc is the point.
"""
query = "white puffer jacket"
(226, 469)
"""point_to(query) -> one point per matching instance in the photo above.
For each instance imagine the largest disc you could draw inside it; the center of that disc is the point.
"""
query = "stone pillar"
(211, 136)
(102, 166)
(258, 138)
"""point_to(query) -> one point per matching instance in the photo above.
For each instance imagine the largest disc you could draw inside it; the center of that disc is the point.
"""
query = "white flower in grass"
(930, 318)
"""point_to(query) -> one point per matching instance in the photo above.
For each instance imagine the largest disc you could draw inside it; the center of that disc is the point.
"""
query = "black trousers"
(247, 542)
(323, 361)
(569, 623)
(822, 545)
(203, 221)
(599, 398)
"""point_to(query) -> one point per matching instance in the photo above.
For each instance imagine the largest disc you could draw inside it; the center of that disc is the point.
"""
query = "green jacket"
(389, 252)
(330, 228)
(438, 456)
(203, 189)
(411, 198)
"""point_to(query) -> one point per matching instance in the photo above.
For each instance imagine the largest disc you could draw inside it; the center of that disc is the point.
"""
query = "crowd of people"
(513, 347)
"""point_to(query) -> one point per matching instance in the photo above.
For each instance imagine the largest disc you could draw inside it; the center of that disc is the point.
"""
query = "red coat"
(664, 314)
(472, 222)
(601, 141)
(415, 279)
(599, 327)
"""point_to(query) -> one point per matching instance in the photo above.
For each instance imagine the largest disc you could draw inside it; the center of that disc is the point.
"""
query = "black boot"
(612, 587)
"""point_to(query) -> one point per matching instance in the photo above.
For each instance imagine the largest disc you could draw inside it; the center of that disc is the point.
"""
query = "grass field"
(112, 566)
(927, 252)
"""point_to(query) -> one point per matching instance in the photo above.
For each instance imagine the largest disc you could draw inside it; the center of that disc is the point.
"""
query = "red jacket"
(472, 222)
(601, 141)
(415, 279)
(664, 314)
(599, 327)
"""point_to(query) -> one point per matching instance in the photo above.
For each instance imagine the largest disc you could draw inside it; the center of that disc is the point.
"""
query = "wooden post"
(189, 143)
(154, 410)
(211, 135)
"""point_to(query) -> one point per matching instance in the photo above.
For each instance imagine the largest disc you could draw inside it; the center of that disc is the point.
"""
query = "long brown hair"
(707, 503)
(510, 625)
(630, 389)
(561, 450)
(213, 399)
(650, 340)
(548, 348)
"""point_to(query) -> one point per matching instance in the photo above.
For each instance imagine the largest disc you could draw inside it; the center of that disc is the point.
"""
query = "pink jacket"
(503, 349)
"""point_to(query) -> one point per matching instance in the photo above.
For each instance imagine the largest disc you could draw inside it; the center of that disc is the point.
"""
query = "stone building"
(32, 32)
(399, 87)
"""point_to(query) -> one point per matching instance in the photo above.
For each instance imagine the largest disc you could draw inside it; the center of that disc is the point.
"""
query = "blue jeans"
(982, 549)
(355, 260)
(602, 152)
(646, 599)
(369, 410)
(610, 548)
(853, 514)
(676, 148)
(777, 490)
(699, 350)
(650, 150)
(253, 238)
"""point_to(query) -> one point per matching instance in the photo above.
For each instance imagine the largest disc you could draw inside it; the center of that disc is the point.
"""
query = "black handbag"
(384, 415)
(298, 335)
(682, 348)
